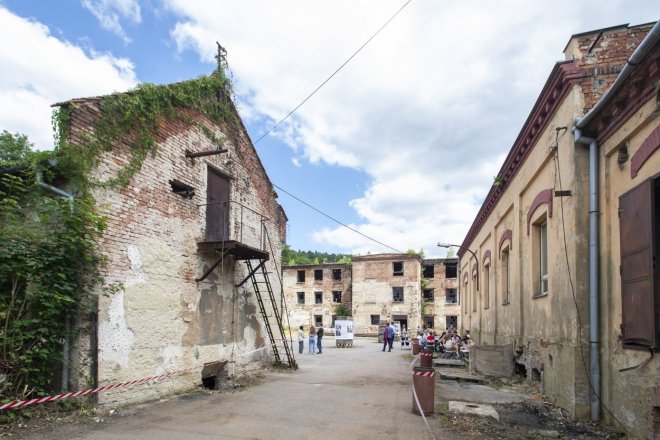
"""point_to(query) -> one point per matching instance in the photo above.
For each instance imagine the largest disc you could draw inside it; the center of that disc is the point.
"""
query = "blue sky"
(402, 144)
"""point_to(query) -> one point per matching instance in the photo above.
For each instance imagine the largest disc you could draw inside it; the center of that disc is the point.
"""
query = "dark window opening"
(450, 270)
(397, 294)
(336, 297)
(301, 297)
(429, 295)
(318, 320)
(429, 321)
(451, 322)
(397, 268)
(428, 271)
(182, 189)
(450, 296)
(318, 275)
(318, 297)
(210, 383)
(336, 274)
(375, 319)
(301, 276)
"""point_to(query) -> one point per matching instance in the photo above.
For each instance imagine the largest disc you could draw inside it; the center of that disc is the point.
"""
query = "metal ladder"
(261, 284)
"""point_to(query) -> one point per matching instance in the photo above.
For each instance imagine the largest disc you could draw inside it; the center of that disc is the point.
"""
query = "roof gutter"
(594, 245)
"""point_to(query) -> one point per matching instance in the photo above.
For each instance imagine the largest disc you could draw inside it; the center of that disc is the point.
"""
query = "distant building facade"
(383, 287)
(313, 292)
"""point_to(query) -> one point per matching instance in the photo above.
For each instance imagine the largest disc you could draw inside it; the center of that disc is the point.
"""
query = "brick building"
(551, 261)
(178, 238)
(377, 287)
(312, 293)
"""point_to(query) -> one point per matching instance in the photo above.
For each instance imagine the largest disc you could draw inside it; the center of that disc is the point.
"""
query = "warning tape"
(419, 405)
(424, 373)
(22, 403)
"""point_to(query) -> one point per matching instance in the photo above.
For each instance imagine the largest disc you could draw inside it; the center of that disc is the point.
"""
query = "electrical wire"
(570, 278)
(337, 221)
(332, 75)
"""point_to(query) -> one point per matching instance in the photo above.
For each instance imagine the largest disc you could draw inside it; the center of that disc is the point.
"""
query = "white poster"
(344, 329)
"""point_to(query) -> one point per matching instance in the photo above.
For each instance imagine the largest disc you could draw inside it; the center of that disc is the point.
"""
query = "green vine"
(134, 118)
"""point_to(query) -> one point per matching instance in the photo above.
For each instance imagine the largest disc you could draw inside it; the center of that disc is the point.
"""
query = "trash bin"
(424, 388)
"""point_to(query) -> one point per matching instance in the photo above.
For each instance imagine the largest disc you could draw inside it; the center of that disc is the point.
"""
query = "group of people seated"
(448, 342)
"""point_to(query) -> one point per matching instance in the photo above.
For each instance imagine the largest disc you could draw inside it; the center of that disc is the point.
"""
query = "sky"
(401, 144)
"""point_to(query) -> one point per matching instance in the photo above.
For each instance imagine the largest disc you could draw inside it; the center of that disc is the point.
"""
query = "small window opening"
(450, 270)
(318, 275)
(451, 296)
(397, 294)
(336, 297)
(429, 321)
(336, 274)
(214, 375)
(318, 297)
(397, 268)
(428, 295)
(428, 271)
(451, 322)
(301, 297)
(301, 276)
(375, 319)
(182, 189)
(210, 383)
(318, 320)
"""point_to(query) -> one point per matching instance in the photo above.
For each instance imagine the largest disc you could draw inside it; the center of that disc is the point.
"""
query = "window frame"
(301, 298)
(336, 278)
(487, 285)
(428, 271)
(317, 272)
(540, 254)
(377, 319)
(455, 291)
(395, 272)
(432, 298)
(334, 293)
(318, 297)
(395, 290)
(505, 274)
(300, 276)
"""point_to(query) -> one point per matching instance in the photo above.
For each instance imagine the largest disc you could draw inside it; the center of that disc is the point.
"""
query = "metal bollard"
(426, 358)
(424, 388)
(415, 346)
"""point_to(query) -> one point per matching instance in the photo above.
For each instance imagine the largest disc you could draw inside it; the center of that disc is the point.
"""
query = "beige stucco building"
(313, 292)
(531, 283)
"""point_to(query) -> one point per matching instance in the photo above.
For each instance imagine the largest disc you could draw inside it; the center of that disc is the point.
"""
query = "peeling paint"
(137, 274)
(115, 338)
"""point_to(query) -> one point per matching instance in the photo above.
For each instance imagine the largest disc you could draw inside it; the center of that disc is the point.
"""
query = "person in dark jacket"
(319, 336)
(386, 331)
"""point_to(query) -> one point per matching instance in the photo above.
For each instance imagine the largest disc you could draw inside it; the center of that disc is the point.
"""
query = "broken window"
(450, 296)
(428, 271)
(182, 189)
(429, 294)
(397, 268)
(318, 320)
(336, 296)
(336, 274)
(450, 270)
(451, 322)
(397, 294)
(301, 297)
(318, 297)
(429, 321)
(318, 274)
(375, 319)
(301, 276)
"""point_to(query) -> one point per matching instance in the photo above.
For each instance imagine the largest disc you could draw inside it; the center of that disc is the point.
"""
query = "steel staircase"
(263, 291)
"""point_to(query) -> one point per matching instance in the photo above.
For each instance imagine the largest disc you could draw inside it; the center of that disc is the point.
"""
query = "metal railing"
(238, 222)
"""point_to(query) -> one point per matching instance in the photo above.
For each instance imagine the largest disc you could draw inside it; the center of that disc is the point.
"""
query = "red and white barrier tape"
(22, 403)
(424, 373)
(419, 405)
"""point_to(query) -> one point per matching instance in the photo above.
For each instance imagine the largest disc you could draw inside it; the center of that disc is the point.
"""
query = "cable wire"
(337, 221)
(332, 75)
(570, 278)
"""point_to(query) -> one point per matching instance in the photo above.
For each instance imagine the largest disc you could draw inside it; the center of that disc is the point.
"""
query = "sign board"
(344, 329)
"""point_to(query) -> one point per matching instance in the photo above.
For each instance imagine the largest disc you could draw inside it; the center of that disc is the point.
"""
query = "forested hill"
(291, 257)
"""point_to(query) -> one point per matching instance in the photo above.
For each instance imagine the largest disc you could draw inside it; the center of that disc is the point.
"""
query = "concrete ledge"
(492, 360)
(473, 409)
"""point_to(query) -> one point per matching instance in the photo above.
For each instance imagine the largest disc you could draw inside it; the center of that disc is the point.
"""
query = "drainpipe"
(594, 247)
(66, 346)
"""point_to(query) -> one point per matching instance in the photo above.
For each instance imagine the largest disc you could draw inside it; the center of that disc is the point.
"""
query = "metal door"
(217, 208)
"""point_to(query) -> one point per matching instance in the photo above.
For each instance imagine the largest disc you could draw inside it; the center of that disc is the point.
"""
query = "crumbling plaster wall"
(439, 307)
(162, 320)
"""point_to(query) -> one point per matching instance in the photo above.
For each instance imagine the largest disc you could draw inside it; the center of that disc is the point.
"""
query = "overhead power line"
(333, 74)
(337, 221)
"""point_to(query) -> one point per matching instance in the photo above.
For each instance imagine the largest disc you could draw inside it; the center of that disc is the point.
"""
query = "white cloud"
(110, 12)
(429, 109)
(40, 70)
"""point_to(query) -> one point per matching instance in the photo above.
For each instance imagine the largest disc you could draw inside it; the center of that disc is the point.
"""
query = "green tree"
(14, 148)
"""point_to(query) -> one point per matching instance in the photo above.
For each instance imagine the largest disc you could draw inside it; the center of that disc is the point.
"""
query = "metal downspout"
(66, 346)
(594, 266)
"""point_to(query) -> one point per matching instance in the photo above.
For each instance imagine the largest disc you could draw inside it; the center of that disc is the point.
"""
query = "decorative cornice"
(506, 235)
(542, 198)
(563, 76)
(645, 151)
(637, 89)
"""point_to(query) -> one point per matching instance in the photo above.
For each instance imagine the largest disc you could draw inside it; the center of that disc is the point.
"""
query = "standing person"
(319, 336)
(312, 334)
(386, 331)
(390, 335)
(301, 339)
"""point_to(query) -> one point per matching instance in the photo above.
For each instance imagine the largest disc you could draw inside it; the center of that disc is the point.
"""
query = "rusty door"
(217, 208)
(637, 291)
